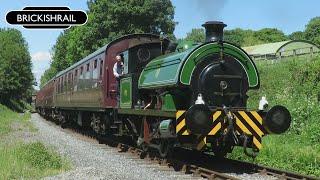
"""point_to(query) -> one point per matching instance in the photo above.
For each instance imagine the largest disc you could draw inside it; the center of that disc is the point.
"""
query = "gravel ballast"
(91, 160)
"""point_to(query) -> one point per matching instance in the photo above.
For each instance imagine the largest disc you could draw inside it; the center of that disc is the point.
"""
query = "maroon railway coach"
(89, 84)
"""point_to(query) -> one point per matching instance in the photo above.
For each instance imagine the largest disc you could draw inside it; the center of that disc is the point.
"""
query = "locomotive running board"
(148, 112)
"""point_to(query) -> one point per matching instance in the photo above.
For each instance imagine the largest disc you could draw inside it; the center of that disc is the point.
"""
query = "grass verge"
(20, 160)
(32, 160)
(7, 117)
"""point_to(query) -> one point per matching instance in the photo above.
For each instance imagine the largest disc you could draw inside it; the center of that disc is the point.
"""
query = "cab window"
(125, 62)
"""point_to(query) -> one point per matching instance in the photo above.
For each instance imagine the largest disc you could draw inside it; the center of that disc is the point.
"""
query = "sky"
(286, 15)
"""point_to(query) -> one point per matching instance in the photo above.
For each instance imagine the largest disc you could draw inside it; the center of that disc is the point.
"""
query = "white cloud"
(41, 62)
(41, 56)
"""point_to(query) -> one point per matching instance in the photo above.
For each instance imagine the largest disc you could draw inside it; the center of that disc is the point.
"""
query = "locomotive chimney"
(214, 30)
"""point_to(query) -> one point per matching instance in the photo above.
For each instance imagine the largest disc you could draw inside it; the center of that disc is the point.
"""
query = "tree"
(270, 35)
(242, 37)
(312, 31)
(196, 35)
(298, 35)
(238, 36)
(108, 20)
(16, 78)
(251, 41)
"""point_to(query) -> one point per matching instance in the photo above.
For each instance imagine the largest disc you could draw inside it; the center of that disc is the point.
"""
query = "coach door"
(110, 82)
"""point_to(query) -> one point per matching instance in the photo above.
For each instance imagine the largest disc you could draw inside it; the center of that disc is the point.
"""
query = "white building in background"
(282, 49)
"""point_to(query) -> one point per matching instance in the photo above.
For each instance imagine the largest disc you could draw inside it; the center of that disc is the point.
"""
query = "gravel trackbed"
(93, 161)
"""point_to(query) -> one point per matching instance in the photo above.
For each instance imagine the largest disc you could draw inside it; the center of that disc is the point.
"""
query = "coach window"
(75, 76)
(81, 72)
(72, 82)
(61, 81)
(125, 62)
(75, 81)
(62, 85)
(86, 75)
(88, 71)
(81, 78)
(68, 82)
(61, 91)
(101, 68)
(65, 83)
(59, 85)
(95, 74)
(95, 69)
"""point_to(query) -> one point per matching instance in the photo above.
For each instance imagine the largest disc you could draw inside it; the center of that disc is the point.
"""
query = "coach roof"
(99, 51)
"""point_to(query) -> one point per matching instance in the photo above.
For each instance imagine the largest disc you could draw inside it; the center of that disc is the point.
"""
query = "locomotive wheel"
(97, 124)
(165, 148)
(61, 119)
(145, 147)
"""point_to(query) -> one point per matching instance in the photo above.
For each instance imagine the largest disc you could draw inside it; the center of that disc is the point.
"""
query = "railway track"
(190, 162)
(201, 165)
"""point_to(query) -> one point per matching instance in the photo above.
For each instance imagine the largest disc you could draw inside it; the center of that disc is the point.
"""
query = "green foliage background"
(242, 37)
(16, 78)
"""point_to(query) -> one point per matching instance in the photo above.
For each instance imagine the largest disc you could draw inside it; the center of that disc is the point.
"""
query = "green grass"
(32, 160)
(7, 117)
(294, 83)
(19, 160)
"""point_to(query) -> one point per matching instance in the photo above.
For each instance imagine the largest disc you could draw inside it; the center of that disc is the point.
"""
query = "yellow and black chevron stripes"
(247, 122)
(181, 128)
(202, 140)
(216, 123)
(250, 123)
